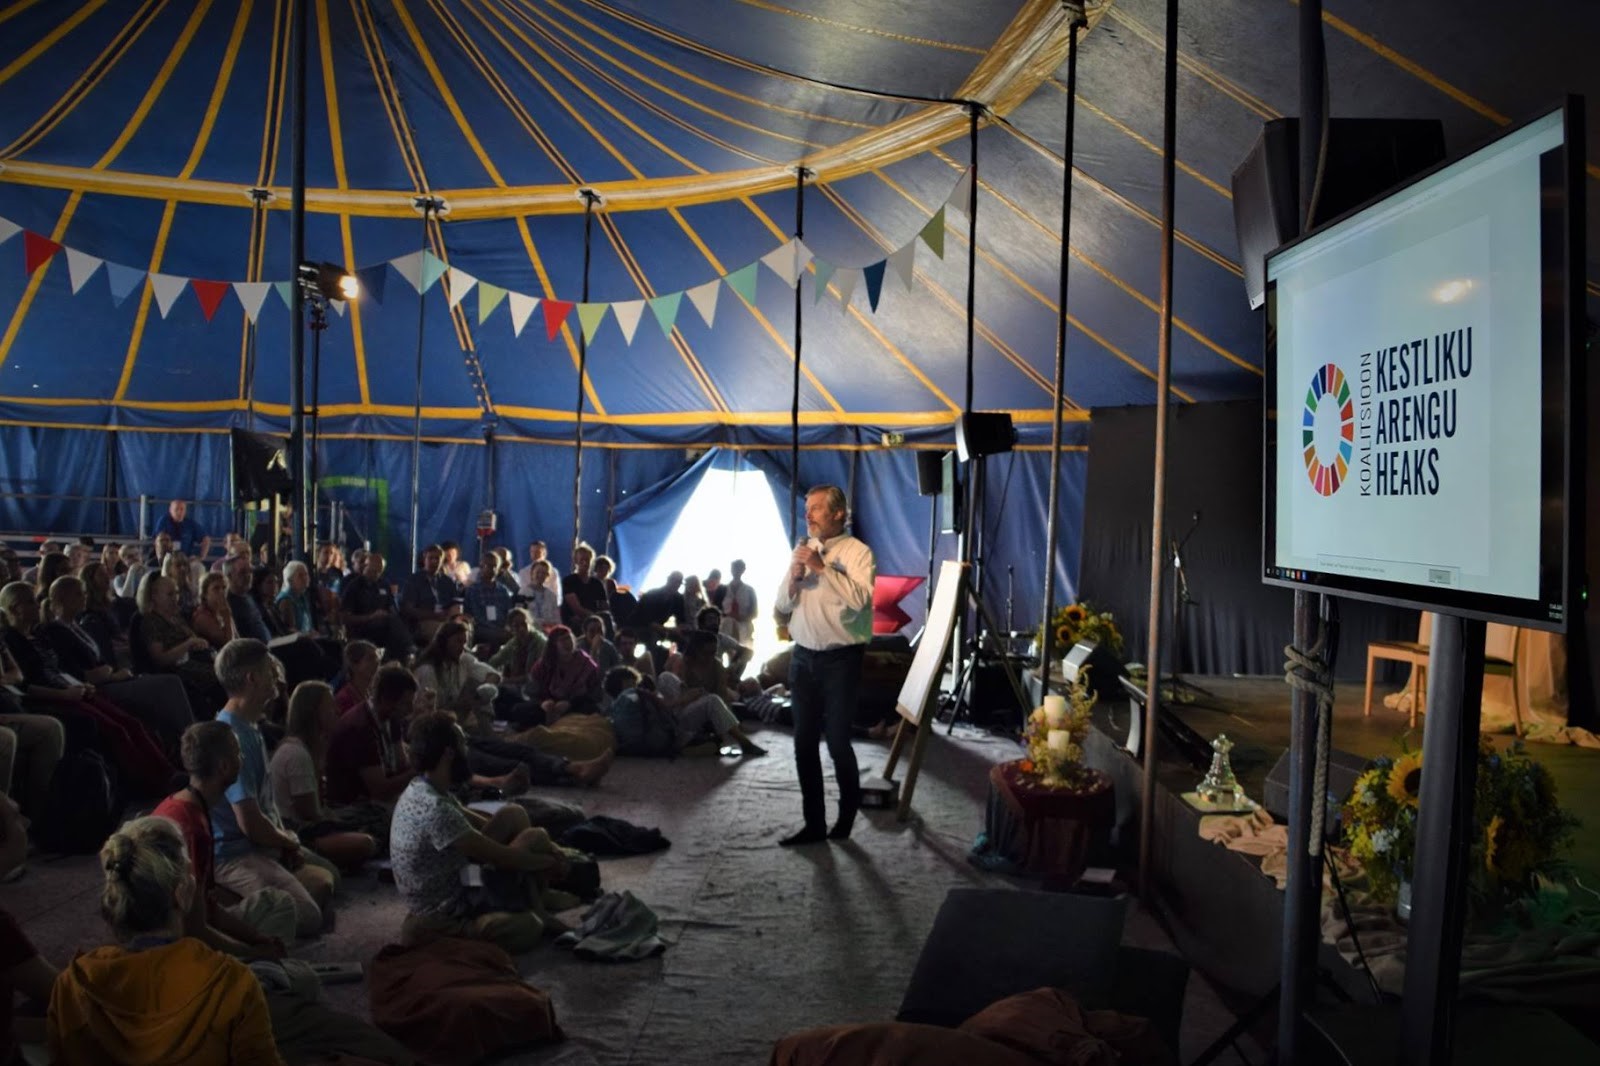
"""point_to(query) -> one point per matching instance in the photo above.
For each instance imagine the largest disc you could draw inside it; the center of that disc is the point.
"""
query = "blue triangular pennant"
(123, 279)
(372, 280)
(874, 276)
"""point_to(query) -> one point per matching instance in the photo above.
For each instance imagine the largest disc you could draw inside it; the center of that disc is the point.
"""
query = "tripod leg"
(1011, 675)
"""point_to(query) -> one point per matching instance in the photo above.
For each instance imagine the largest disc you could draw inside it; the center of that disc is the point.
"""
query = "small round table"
(1047, 831)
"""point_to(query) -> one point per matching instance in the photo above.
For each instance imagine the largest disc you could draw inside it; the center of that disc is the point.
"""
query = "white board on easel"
(922, 680)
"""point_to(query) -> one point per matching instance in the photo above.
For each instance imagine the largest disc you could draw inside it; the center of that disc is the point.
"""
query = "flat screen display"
(1420, 360)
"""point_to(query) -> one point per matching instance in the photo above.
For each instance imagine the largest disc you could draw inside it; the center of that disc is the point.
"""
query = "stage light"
(330, 281)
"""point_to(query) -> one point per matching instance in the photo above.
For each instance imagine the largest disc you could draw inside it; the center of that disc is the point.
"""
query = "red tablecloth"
(1051, 829)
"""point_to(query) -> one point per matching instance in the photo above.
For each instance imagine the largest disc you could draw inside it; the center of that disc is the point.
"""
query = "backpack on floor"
(85, 805)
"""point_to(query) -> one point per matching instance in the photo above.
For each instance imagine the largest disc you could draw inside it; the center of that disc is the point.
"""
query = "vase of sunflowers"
(1518, 827)
(1055, 734)
(1082, 621)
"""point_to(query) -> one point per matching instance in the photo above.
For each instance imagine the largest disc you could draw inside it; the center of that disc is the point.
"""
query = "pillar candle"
(1057, 740)
(1055, 710)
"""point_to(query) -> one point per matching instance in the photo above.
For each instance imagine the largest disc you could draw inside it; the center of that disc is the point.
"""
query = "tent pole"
(297, 299)
(1075, 13)
(1158, 506)
(590, 198)
(428, 205)
(800, 175)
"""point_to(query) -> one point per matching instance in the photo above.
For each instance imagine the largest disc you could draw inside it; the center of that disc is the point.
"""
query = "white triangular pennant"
(338, 307)
(784, 261)
(461, 283)
(8, 230)
(410, 268)
(904, 262)
(252, 294)
(704, 298)
(962, 192)
(80, 267)
(521, 306)
(628, 314)
(847, 278)
(167, 289)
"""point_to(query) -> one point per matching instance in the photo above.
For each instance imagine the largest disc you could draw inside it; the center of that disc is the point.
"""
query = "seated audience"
(251, 596)
(369, 610)
(434, 838)
(597, 647)
(145, 769)
(131, 571)
(427, 594)
(699, 700)
(30, 745)
(157, 700)
(253, 849)
(631, 653)
(213, 618)
(657, 607)
(257, 926)
(456, 678)
(507, 575)
(176, 569)
(605, 568)
(157, 996)
(297, 613)
(102, 618)
(451, 564)
(524, 644)
(544, 603)
(51, 567)
(527, 579)
(488, 602)
(296, 772)
(582, 594)
(564, 680)
(171, 645)
(361, 663)
(365, 761)
(183, 531)
(330, 567)
(23, 971)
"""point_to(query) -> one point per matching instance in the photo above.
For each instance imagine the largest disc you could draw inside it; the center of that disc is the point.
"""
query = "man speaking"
(828, 594)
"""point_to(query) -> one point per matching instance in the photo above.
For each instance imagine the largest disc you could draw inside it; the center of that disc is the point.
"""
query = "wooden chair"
(1416, 653)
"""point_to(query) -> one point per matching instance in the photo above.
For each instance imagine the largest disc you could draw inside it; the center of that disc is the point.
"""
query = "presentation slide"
(1408, 383)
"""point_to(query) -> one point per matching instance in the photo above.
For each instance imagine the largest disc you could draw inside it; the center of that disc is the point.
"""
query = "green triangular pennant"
(285, 289)
(489, 297)
(665, 308)
(433, 269)
(743, 282)
(824, 275)
(933, 233)
(590, 316)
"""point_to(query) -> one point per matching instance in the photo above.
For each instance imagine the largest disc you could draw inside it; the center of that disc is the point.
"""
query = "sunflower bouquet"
(1518, 832)
(1081, 621)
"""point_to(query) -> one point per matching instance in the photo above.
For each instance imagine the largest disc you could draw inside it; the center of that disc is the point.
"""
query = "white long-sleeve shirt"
(834, 607)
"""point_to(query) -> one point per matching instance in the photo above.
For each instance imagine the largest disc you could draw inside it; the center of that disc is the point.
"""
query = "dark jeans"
(823, 686)
(493, 757)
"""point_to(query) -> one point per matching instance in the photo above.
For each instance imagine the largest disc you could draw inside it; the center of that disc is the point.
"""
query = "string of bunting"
(422, 270)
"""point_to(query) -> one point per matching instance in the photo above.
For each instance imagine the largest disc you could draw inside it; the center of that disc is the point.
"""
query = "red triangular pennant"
(210, 294)
(555, 313)
(37, 250)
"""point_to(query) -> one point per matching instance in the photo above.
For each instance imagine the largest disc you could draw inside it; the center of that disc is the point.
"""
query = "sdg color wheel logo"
(1329, 394)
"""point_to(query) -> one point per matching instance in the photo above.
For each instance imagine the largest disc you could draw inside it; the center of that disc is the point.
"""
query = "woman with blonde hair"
(176, 569)
(212, 617)
(156, 996)
(296, 771)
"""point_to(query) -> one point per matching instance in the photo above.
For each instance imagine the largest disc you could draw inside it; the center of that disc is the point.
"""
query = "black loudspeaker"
(984, 433)
(991, 699)
(1343, 769)
(260, 467)
(1366, 157)
(930, 473)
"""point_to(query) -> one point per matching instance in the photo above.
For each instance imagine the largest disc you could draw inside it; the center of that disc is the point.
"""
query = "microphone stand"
(1182, 691)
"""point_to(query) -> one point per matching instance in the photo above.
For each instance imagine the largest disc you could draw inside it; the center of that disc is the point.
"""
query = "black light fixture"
(329, 281)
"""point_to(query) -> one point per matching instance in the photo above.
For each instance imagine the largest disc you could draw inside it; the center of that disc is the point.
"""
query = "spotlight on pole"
(330, 281)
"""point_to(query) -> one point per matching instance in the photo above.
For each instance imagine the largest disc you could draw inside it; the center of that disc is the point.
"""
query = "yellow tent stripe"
(336, 136)
(49, 40)
(21, 312)
(157, 85)
(1144, 142)
(869, 31)
(146, 291)
(1207, 74)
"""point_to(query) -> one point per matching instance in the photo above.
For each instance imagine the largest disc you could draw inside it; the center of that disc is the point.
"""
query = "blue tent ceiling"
(133, 131)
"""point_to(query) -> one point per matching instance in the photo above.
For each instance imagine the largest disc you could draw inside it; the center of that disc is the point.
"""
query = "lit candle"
(1058, 740)
(1055, 710)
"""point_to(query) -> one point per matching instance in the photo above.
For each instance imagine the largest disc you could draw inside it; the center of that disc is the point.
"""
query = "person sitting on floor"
(434, 838)
(361, 662)
(630, 652)
(582, 594)
(564, 680)
(345, 838)
(369, 610)
(657, 607)
(23, 971)
(365, 761)
(135, 749)
(594, 643)
(524, 644)
(253, 849)
(544, 603)
(488, 602)
(158, 996)
(700, 698)
(258, 926)
(456, 678)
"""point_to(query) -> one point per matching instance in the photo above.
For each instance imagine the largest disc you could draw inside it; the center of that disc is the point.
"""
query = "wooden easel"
(921, 686)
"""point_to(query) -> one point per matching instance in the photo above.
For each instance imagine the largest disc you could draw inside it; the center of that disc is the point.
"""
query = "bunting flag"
(8, 230)
(788, 260)
(933, 233)
(460, 283)
(958, 198)
(210, 294)
(168, 288)
(124, 280)
(489, 297)
(628, 313)
(589, 317)
(433, 268)
(904, 263)
(81, 267)
(704, 298)
(339, 307)
(37, 250)
(847, 278)
(555, 313)
(665, 309)
(373, 279)
(874, 278)
(252, 294)
(824, 273)
(285, 291)
(743, 282)
(521, 306)
(410, 268)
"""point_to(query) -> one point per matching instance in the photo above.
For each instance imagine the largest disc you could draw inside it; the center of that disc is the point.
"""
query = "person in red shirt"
(22, 971)
(364, 761)
(361, 661)
(210, 753)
